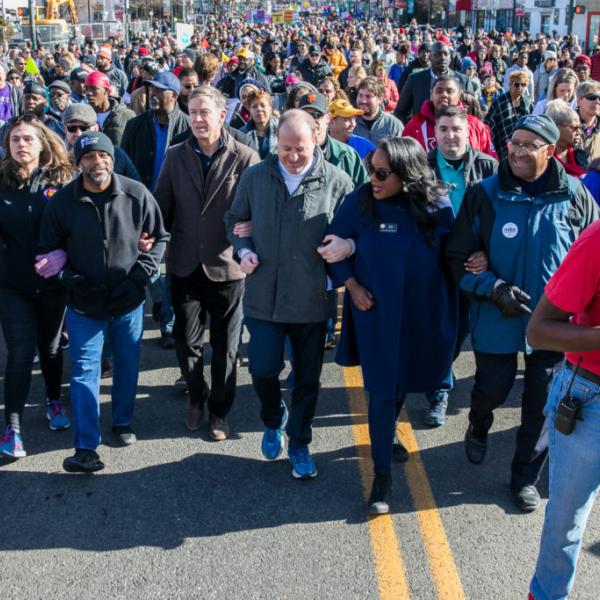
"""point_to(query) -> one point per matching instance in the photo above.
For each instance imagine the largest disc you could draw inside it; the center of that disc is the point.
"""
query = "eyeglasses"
(22, 119)
(529, 147)
(592, 97)
(189, 87)
(75, 128)
(379, 174)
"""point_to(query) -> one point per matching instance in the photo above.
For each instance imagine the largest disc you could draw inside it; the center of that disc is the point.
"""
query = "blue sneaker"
(437, 406)
(12, 443)
(302, 463)
(273, 442)
(55, 413)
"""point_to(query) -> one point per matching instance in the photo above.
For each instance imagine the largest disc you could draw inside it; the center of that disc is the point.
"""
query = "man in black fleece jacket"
(98, 220)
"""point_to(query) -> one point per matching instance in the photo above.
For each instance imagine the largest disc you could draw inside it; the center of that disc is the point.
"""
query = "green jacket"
(290, 283)
(346, 159)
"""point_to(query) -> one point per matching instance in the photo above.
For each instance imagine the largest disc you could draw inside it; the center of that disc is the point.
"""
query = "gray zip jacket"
(290, 283)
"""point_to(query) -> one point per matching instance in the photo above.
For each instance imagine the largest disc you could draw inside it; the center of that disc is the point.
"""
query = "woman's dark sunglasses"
(379, 174)
(592, 97)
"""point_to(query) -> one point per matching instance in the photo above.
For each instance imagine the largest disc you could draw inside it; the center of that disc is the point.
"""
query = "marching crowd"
(447, 181)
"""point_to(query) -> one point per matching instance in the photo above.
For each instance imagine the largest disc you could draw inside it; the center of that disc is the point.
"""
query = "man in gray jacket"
(290, 197)
(375, 124)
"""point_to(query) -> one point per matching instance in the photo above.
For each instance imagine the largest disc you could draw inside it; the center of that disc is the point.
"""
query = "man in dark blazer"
(195, 189)
(418, 86)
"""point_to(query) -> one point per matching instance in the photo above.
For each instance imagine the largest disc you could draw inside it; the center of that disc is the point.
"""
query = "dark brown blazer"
(193, 209)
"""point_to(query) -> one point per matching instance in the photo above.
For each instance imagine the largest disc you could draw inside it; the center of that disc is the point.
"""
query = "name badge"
(388, 228)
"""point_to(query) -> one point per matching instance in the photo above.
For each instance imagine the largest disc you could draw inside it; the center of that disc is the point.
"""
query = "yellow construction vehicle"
(49, 26)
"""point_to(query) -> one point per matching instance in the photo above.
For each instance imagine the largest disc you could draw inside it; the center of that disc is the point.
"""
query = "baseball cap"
(244, 53)
(314, 101)
(78, 74)
(314, 50)
(165, 80)
(343, 108)
(541, 125)
(90, 141)
(583, 59)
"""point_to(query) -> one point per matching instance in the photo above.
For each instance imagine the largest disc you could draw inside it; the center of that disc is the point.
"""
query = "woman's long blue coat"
(405, 343)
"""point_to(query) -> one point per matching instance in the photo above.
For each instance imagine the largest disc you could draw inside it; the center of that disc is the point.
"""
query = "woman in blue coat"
(400, 309)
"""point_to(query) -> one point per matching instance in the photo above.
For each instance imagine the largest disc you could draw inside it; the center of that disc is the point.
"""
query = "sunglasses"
(189, 87)
(581, 69)
(519, 85)
(75, 128)
(592, 97)
(379, 174)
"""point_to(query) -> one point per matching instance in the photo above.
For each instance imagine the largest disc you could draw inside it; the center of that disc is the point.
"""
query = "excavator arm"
(52, 9)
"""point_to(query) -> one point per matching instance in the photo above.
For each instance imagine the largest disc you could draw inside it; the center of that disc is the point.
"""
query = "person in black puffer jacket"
(315, 69)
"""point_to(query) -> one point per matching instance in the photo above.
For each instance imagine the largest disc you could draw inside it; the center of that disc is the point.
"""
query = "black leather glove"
(127, 294)
(510, 300)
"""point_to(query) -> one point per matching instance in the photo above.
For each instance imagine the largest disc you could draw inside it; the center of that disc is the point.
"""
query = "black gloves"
(510, 299)
(128, 294)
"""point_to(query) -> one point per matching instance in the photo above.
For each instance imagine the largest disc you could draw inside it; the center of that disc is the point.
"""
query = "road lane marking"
(389, 566)
(441, 563)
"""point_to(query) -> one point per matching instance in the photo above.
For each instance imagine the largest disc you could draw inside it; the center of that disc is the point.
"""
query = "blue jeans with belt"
(86, 339)
(574, 462)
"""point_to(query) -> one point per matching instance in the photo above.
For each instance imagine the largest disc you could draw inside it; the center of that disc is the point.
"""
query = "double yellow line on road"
(389, 566)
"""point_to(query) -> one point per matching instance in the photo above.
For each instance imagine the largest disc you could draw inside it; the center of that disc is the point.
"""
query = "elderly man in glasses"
(525, 218)
(507, 109)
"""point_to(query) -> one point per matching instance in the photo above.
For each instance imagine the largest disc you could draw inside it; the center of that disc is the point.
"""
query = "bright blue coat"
(405, 343)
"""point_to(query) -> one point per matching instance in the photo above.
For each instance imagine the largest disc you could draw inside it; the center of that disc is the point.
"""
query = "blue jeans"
(160, 291)
(86, 339)
(265, 355)
(574, 485)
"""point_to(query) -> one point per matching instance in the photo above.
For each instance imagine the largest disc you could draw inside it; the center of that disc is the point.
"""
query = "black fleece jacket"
(103, 248)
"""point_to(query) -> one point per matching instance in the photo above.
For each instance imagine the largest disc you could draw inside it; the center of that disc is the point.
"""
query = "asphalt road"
(178, 516)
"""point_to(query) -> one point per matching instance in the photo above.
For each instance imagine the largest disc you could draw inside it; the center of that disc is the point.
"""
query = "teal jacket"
(346, 159)
(525, 239)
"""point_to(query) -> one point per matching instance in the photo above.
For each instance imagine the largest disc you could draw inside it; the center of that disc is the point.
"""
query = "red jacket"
(391, 95)
(595, 74)
(422, 128)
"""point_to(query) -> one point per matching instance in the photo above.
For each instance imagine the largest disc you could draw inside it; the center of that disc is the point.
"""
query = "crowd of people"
(447, 181)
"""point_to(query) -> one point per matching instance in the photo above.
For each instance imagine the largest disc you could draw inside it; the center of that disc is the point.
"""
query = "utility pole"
(570, 17)
(31, 6)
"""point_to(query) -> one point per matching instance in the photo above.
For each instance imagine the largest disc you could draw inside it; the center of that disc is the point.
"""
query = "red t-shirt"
(575, 288)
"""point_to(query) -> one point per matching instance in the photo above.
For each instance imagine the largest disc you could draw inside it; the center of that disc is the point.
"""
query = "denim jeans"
(86, 339)
(160, 291)
(265, 354)
(574, 484)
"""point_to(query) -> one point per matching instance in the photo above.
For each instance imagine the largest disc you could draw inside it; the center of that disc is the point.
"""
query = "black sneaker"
(84, 461)
(475, 445)
(379, 501)
(125, 434)
(166, 341)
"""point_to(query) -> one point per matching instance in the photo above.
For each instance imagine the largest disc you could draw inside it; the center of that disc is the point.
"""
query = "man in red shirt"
(567, 319)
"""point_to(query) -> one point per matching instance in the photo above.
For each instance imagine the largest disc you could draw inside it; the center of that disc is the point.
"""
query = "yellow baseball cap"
(343, 108)
(244, 53)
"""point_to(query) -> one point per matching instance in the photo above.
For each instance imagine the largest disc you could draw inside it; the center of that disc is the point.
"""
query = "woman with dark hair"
(400, 308)
(32, 306)
(296, 92)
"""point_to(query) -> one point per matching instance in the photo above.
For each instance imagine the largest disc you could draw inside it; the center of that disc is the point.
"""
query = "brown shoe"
(218, 428)
(193, 416)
